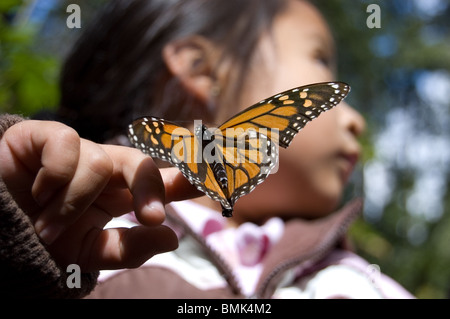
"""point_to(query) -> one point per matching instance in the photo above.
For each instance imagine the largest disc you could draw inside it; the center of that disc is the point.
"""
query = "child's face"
(313, 171)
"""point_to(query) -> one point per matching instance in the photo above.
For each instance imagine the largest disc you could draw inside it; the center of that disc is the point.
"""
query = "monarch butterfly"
(228, 162)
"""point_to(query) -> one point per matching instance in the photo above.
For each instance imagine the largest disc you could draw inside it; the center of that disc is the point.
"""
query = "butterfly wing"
(284, 114)
(248, 159)
(177, 145)
(162, 139)
(267, 124)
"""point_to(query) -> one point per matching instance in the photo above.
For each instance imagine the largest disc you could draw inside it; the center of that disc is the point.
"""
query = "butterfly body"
(217, 167)
(229, 161)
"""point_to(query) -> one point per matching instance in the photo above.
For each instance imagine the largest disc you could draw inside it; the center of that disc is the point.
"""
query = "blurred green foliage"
(384, 67)
(28, 76)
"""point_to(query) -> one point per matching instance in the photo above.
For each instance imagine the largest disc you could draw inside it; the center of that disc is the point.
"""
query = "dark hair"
(116, 72)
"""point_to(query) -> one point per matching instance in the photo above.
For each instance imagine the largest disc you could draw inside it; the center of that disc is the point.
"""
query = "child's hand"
(71, 187)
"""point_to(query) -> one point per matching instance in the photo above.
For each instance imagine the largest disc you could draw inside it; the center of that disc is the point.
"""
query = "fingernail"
(49, 233)
(156, 206)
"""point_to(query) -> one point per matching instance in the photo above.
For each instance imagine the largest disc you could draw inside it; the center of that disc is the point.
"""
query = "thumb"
(117, 248)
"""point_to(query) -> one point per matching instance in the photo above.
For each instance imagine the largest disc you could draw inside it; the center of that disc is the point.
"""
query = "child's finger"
(177, 186)
(68, 204)
(60, 152)
(41, 151)
(128, 247)
(141, 175)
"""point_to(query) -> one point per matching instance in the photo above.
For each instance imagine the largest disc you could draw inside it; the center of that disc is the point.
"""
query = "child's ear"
(193, 61)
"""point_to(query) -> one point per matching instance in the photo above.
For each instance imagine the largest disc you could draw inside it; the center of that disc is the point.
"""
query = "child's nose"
(352, 120)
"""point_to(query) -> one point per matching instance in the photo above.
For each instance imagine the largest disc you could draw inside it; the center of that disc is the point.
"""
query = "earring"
(212, 100)
(215, 90)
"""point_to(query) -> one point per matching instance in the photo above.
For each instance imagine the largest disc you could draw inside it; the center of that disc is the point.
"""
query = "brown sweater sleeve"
(27, 270)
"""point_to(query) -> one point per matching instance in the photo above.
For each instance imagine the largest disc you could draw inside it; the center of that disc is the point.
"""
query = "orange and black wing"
(284, 114)
(248, 159)
(250, 139)
(247, 144)
(177, 145)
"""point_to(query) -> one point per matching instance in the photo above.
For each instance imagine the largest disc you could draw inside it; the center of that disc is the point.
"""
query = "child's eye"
(324, 59)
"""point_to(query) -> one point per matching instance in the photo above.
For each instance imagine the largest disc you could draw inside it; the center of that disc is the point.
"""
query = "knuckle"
(137, 153)
(101, 163)
(67, 134)
(70, 210)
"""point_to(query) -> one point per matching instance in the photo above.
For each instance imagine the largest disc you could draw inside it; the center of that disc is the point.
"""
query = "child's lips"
(347, 164)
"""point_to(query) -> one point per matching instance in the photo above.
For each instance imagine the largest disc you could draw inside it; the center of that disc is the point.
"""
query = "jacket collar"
(303, 243)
